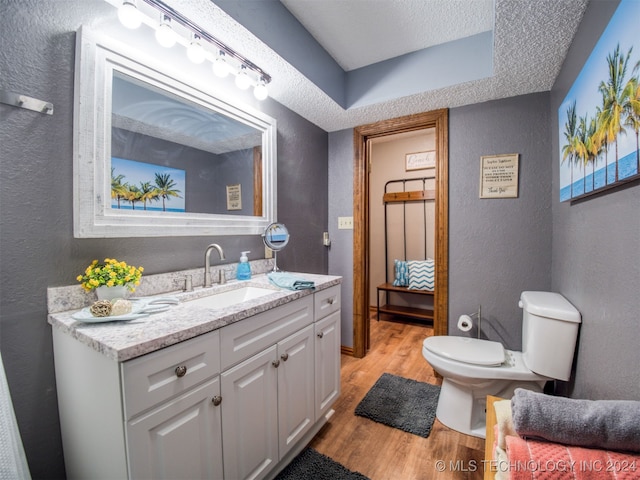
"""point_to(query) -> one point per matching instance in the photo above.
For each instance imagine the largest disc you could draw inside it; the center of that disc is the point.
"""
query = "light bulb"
(129, 15)
(242, 79)
(165, 34)
(260, 91)
(220, 66)
(195, 52)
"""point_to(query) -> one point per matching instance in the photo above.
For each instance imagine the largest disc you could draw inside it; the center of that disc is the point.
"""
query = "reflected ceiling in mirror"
(169, 158)
(143, 109)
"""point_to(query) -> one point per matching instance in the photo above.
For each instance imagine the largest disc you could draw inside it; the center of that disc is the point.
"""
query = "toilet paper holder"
(477, 315)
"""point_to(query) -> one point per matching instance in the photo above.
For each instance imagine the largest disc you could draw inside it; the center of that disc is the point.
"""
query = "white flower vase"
(110, 293)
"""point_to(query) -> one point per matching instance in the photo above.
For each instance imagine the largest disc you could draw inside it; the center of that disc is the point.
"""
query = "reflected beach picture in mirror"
(146, 186)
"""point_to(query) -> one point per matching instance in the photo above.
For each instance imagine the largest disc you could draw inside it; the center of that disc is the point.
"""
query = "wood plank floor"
(385, 453)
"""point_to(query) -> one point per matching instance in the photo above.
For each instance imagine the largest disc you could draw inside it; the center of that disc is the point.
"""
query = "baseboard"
(346, 350)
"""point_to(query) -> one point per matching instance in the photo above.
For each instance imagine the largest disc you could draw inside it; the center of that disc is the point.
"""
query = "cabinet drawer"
(326, 302)
(155, 377)
(243, 339)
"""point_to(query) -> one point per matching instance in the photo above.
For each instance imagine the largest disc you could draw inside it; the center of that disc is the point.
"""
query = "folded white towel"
(504, 422)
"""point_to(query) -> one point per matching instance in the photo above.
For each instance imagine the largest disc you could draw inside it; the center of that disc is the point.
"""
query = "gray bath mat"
(401, 403)
(311, 464)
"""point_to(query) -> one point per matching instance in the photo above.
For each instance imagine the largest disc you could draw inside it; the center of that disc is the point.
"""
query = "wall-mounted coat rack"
(23, 101)
(403, 197)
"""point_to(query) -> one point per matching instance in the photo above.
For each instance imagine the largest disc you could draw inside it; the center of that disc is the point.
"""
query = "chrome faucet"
(207, 262)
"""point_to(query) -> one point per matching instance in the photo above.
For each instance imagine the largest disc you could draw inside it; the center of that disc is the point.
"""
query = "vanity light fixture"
(226, 61)
(260, 91)
(195, 52)
(242, 78)
(129, 15)
(164, 33)
(220, 65)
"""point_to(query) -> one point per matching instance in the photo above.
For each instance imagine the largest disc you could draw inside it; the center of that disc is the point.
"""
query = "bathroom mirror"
(276, 237)
(157, 155)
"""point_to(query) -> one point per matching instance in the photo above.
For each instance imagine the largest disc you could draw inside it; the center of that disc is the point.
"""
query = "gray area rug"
(310, 464)
(401, 403)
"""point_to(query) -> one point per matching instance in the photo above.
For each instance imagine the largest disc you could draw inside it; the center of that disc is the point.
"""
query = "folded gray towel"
(604, 424)
(289, 281)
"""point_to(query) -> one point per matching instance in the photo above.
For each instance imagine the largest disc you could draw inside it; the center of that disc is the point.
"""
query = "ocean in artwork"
(627, 168)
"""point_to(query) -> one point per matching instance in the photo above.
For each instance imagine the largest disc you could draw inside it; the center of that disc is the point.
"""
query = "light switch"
(345, 223)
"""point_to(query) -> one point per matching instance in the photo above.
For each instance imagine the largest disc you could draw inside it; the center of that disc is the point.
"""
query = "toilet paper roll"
(465, 323)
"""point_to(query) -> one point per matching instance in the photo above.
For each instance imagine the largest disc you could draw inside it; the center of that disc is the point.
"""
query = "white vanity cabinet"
(234, 403)
(159, 441)
(327, 349)
(180, 439)
(268, 399)
(149, 417)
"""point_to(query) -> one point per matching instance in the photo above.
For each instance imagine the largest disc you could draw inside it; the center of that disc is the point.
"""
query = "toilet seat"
(467, 350)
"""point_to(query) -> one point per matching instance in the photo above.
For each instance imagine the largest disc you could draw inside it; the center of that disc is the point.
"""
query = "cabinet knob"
(276, 363)
(181, 371)
(217, 400)
(284, 357)
(320, 334)
(330, 301)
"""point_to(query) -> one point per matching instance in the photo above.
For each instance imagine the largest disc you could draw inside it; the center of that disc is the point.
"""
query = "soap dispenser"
(244, 269)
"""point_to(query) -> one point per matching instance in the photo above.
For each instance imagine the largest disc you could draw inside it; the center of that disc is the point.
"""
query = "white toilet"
(473, 368)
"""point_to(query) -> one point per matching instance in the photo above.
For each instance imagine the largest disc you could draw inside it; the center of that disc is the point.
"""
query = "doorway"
(437, 119)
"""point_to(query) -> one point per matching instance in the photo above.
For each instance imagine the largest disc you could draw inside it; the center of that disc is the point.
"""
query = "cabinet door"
(327, 353)
(296, 400)
(181, 439)
(250, 417)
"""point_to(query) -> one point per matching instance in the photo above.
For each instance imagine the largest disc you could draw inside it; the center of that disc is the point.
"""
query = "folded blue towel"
(289, 281)
(604, 424)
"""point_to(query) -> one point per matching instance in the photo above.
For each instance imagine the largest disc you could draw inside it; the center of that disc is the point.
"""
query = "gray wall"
(596, 255)
(37, 248)
(499, 247)
(341, 205)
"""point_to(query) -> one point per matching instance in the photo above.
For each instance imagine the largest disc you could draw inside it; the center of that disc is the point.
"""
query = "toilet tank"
(549, 332)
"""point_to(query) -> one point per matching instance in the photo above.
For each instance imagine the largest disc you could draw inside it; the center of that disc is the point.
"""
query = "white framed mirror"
(156, 155)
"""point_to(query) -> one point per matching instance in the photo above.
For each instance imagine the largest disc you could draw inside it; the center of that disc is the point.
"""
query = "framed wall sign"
(499, 176)
(234, 197)
(420, 160)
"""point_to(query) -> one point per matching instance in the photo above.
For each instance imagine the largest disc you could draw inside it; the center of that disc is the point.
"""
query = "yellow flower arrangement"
(110, 273)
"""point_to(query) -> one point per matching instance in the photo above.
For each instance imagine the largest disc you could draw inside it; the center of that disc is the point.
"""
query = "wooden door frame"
(438, 119)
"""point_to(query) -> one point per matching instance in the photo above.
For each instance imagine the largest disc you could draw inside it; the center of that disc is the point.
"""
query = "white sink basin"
(233, 297)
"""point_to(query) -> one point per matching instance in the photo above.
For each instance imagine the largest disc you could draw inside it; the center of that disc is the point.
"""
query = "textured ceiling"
(531, 39)
(359, 33)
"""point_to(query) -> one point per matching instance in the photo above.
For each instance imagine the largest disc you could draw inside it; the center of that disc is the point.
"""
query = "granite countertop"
(124, 340)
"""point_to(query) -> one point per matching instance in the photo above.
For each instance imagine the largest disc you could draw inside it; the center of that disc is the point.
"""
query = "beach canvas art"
(145, 186)
(599, 119)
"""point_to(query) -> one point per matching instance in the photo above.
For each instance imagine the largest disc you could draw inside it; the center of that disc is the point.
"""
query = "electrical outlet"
(268, 253)
(345, 223)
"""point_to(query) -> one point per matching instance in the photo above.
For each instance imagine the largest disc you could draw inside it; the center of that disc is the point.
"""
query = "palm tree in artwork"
(613, 95)
(593, 148)
(133, 195)
(632, 109)
(147, 193)
(118, 189)
(166, 188)
(582, 147)
(603, 139)
(569, 152)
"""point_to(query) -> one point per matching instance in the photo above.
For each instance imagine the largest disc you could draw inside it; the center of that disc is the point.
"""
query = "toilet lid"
(467, 350)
